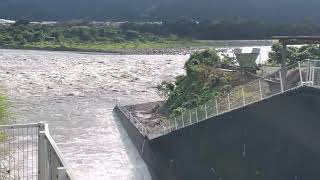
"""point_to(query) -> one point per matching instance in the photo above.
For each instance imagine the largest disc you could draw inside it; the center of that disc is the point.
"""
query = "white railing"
(28, 152)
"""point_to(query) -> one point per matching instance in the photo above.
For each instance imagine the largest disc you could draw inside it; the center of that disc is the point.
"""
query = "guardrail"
(28, 152)
(304, 73)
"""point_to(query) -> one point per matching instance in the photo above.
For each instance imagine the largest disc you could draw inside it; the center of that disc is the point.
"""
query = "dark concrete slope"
(275, 139)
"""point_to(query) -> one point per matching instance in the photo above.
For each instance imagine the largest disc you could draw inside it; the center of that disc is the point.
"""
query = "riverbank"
(3, 109)
(181, 47)
(148, 51)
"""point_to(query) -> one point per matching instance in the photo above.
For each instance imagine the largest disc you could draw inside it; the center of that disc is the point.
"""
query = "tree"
(38, 36)
(203, 82)
(294, 54)
(206, 57)
(22, 22)
(165, 89)
(131, 34)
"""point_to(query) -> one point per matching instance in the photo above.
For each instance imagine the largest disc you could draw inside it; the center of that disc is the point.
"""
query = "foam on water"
(75, 93)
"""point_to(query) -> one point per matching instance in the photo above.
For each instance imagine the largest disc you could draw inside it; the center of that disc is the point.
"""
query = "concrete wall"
(276, 139)
(141, 142)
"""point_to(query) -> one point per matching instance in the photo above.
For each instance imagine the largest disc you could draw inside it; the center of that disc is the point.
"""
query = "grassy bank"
(122, 47)
(3, 109)
(80, 37)
(3, 115)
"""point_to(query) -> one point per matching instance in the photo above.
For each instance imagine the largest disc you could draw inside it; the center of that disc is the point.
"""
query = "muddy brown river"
(75, 94)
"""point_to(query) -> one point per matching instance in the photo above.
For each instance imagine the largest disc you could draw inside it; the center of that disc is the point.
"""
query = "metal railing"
(304, 73)
(28, 152)
(142, 129)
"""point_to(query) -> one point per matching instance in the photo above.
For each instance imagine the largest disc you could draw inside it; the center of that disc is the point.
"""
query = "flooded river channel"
(75, 94)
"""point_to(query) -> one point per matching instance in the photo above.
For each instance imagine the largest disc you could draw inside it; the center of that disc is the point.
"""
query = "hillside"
(120, 10)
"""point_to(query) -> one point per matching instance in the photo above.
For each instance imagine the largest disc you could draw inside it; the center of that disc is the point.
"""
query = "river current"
(75, 94)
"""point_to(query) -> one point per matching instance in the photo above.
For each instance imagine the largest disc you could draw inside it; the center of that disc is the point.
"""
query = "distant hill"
(121, 10)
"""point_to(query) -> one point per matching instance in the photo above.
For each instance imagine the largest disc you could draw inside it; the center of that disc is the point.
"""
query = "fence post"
(62, 173)
(229, 105)
(205, 108)
(243, 98)
(281, 83)
(197, 114)
(175, 121)
(217, 108)
(260, 87)
(312, 76)
(309, 70)
(182, 120)
(43, 161)
(169, 125)
(244, 152)
(190, 118)
(300, 72)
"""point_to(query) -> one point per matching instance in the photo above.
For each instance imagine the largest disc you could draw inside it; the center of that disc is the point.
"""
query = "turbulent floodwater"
(75, 93)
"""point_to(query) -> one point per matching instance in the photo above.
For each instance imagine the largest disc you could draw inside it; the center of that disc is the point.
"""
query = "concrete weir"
(274, 139)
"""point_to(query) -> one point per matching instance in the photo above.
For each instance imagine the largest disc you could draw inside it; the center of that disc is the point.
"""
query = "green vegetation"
(3, 115)
(84, 36)
(3, 109)
(231, 29)
(208, 76)
(294, 54)
(179, 33)
(205, 79)
(151, 10)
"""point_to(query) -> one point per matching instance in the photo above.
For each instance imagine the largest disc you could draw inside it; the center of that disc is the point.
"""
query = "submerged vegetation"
(205, 79)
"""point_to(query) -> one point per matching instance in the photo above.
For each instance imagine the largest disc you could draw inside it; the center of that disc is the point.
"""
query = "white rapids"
(75, 93)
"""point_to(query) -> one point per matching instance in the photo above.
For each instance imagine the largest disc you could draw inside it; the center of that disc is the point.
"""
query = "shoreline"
(153, 51)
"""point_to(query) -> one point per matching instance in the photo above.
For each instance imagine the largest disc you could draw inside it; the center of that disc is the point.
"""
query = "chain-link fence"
(305, 73)
(19, 152)
(142, 129)
(27, 152)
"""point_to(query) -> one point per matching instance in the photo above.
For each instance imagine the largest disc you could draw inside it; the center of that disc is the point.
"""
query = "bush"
(206, 57)
(203, 82)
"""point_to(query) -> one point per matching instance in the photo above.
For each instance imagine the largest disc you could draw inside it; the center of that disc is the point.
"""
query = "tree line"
(23, 32)
(225, 29)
